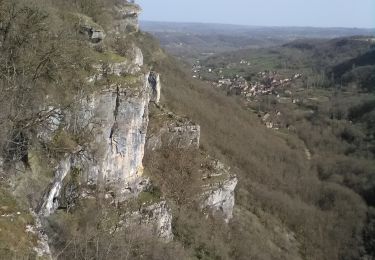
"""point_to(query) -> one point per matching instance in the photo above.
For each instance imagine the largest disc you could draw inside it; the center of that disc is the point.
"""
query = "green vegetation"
(147, 198)
(108, 57)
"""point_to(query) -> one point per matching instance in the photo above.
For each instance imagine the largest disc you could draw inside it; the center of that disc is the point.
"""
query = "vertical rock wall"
(155, 84)
(118, 120)
(121, 122)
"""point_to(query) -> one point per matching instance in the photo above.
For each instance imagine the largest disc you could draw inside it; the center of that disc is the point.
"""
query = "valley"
(289, 93)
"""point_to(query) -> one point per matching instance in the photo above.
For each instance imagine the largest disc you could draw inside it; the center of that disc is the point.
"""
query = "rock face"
(121, 124)
(183, 136)
(95, 35)
(1, 164)
(173, 131)
(160, 216)
(156, 217)
(127, 17)
(219, 187)
(50, 202)
(42, 249)
(221, 198)
(118, 119)
(154, 81)
(89, 28)
(132, 65)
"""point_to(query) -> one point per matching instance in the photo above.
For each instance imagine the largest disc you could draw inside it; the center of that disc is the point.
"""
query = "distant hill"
(360, 70)
(343, 46)
(191, 41)
(346, 60)
(254, 31)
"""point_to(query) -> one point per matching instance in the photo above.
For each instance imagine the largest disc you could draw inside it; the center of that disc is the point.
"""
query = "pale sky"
(317, 13)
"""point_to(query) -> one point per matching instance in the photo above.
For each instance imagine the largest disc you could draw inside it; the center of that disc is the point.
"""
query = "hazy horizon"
(254, 25)
(270, 13)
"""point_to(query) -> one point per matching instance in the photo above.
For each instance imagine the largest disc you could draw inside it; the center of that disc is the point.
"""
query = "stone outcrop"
(179, 135)
(95, 35)
(91, 29)
(131, 65)
(1, 164)
(154, 81)
(221, 198)
(42, 248)
(169, 130)
(219, 188)
(118, 120)
(50, 202)
(156, 217)
(127, 17)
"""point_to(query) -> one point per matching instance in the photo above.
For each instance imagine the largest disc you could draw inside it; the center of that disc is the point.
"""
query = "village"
(270, 83)
(265, 83)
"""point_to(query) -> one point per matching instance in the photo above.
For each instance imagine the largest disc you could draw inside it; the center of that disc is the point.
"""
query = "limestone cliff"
(220, 187)
(114, 156)
(116, 115)
(91, 146)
